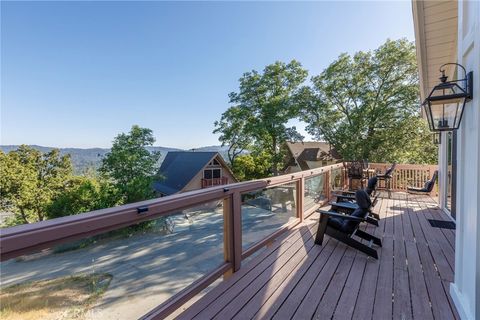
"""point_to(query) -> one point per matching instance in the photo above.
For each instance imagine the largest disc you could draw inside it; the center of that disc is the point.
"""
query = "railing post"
(228, 233)
(237, 230)
(300, 197)
(232, 232)
(327, 185)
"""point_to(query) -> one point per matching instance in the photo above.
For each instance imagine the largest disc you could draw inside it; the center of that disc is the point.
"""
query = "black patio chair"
(344, 227)
(365, 164)
(350, 195)
(427, 188)
(346, 202)
(386, 178)
(348, 207)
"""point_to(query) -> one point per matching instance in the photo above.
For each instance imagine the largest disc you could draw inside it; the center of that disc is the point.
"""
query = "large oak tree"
(366, 106)
(131, 166)
(262, 108)
(30, 181)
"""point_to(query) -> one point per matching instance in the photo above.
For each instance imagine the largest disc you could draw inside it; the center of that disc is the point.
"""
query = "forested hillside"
(83, 159)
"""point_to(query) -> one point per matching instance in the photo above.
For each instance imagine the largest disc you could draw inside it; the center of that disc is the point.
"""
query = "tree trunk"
(274, 156)
(24, 216)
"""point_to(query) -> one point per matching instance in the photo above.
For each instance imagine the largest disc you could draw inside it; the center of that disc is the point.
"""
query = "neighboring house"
(309, 155)
(184, 171)
(446, 32)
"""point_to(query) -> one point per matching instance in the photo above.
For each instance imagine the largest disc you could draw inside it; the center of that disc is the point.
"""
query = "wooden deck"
(295, 279)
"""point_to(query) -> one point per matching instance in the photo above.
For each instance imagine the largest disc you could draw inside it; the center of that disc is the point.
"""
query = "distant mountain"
(223, 150)
(92, 157)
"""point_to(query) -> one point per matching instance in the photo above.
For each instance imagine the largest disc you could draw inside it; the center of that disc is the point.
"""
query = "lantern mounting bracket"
(468, 78)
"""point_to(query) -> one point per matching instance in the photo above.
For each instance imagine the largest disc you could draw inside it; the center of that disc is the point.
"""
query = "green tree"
(30, 180)
(252, 166)
(261, 110)
(366, 106)
(232, 130)
(131, 166)
(83, 194)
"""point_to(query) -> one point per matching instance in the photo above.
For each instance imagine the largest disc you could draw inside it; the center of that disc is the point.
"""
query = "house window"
(212, 173)
(214, 162)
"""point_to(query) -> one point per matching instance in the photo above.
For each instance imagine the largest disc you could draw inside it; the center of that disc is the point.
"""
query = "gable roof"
(179, 168)
(312, 151)
(308, 155)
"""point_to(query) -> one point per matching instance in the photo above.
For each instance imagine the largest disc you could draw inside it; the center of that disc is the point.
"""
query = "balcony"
(214, 182)
(247, 251)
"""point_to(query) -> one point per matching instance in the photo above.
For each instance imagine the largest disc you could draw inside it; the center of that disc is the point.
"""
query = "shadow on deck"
(295, 279)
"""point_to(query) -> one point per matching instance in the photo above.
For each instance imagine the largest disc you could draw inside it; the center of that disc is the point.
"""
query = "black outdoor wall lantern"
(445, 103)
(437, 138)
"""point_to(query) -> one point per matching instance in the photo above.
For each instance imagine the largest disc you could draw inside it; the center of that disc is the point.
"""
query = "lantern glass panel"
(459, 113)
(443, 115)
(428, 114)
(445, 89)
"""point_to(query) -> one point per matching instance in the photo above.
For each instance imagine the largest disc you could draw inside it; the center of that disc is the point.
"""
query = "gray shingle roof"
(179, 168)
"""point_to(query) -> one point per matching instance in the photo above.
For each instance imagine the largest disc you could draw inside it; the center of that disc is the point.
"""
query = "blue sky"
(75, 74)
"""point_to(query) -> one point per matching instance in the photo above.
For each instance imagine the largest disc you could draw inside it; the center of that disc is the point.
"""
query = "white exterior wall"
(465, 291)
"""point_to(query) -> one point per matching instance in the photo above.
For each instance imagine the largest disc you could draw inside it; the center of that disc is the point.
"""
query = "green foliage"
(30, 180)
(261, 110)
(232, 129)
(252, 166)
(83, 194)
(366, 106)
(130, 166)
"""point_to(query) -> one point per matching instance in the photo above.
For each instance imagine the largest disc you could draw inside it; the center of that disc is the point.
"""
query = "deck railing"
(252, 213)
(414, 175)
(214, 182)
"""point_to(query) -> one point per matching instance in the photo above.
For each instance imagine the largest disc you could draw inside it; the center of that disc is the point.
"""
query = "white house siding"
(465, 291)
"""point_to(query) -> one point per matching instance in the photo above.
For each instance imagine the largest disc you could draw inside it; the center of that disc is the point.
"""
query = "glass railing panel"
(314, 191)
(121, 274)
(336, 179)
(265, 211)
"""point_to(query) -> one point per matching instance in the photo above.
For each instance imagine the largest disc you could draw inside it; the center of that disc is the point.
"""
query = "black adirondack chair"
(427, 188)
(346, 202)
(344, 227)
(350, 195)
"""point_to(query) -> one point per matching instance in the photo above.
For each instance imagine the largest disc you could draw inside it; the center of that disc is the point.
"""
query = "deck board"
(296, 279)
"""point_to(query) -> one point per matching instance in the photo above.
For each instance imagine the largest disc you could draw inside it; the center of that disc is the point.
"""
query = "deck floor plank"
(366, 296)
(290, 305)
(309, 304)
(326, 307)
(436, 244)
(419, 295)
(345, 306)
(250, 281)
(383, 306)
(296, 279)
(209, 305)
(402, 308)
(276, 249)
(273, 282)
